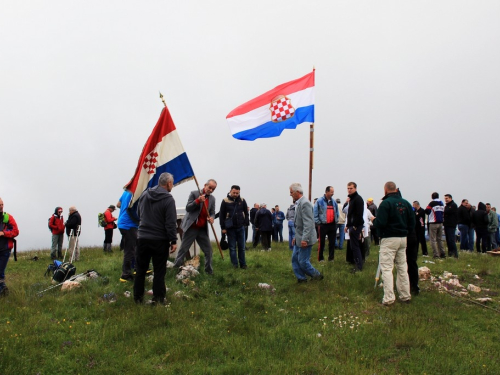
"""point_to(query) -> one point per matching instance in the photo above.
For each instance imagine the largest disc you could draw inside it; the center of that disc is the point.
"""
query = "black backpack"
(64, 272)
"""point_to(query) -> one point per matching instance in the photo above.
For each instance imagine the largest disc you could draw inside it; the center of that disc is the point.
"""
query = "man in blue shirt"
(127, 224)
(278, 217)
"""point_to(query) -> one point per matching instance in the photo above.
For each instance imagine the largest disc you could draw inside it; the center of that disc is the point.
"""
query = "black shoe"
(317, 277)
(407, 301)
(244, 267)
(302, 281)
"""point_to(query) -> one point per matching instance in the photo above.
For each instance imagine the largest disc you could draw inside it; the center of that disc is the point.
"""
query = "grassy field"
(226, 324)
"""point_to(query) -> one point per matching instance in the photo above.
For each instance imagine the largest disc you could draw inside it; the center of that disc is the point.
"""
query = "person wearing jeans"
(305, 237)
(290, 216)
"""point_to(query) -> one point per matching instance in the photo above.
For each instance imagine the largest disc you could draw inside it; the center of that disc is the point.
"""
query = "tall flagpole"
(311, 158)
(198, 186)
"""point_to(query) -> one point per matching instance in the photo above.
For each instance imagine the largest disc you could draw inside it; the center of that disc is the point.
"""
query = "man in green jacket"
(492, 227)
(394, 219)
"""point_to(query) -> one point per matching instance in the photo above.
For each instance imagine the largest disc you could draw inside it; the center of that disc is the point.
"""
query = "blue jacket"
(320, 210)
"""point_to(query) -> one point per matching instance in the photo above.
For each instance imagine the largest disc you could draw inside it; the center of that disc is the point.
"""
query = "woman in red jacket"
(108, 229)
(56, 225)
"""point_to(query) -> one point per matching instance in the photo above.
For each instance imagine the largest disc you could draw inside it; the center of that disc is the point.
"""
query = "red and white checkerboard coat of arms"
(281, 108)
(151, 162)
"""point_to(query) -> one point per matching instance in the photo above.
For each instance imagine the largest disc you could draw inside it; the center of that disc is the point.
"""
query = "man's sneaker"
(317, 277)
(125, 279)
(4, 291)
(244, 267)
(302, 281)
(269, 249)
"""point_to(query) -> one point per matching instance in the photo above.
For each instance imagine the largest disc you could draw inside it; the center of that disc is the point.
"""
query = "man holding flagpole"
(200, 210)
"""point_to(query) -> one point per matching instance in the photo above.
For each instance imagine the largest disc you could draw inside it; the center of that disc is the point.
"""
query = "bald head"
(390, 187)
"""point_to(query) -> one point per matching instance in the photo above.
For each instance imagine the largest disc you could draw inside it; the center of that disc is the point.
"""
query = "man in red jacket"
(8, 231)
(56, 225)
(108, 229)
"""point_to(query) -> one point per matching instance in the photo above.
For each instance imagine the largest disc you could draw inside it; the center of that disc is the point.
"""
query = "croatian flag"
(163, 152)
(283, 107)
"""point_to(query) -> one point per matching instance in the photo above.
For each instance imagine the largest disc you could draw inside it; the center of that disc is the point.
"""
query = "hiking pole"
(67, 247)
(62, 282)
(76, 243)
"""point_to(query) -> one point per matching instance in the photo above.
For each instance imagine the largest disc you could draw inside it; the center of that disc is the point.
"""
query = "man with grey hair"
(395, 218)
(156, 234)
(200, 210)
(73, 230)
(305, 236)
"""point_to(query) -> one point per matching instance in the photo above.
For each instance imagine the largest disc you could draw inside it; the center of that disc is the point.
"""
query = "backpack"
(63, 272)
(50, 218)
(101, 220)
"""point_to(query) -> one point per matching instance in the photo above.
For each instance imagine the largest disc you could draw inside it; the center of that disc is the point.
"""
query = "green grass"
(230, 326)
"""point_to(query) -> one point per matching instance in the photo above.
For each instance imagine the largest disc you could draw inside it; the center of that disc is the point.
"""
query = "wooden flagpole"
(198, 186)
(311, 158)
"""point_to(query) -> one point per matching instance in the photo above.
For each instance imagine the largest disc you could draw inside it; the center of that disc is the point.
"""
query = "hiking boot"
(125, 279)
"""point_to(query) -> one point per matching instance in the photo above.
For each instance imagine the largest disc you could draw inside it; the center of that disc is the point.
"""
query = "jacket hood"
(56, 209)
(157, 193)
(233, 199)
(481, 206)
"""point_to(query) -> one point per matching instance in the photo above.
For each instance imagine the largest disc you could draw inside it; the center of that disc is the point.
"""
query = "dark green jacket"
(395, 216)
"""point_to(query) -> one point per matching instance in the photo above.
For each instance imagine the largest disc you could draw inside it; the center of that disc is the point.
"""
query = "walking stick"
(67, 247)
(76, 244)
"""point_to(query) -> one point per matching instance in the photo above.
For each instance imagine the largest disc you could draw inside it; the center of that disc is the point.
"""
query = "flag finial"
(163, 100)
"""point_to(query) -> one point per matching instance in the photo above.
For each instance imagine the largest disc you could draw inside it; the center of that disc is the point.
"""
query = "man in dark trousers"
(326, 215)
(233, 216)
(73, 230)
(200, 212)
(253, 211)
(354, 224)
(264, 226)
(450, 225)
(156, 234)
(420, 227)
(395, 218)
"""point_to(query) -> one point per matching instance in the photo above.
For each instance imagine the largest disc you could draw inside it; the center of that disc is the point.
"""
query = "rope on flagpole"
(198, 186)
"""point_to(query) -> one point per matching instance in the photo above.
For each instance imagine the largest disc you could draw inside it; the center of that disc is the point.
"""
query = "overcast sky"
(405, 91)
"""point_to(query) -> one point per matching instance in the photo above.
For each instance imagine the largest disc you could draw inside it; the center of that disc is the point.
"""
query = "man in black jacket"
(354, 223)
(394, 220)
(420, 227)
(233, 216)
(450, 225)
(156, 234)
(264, 226)
(480, 220)
(464, 224)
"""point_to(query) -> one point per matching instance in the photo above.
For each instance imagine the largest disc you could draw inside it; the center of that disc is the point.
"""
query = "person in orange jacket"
(108, 229)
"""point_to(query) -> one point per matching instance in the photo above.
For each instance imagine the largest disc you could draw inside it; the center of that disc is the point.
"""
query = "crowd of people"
(396, 225)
